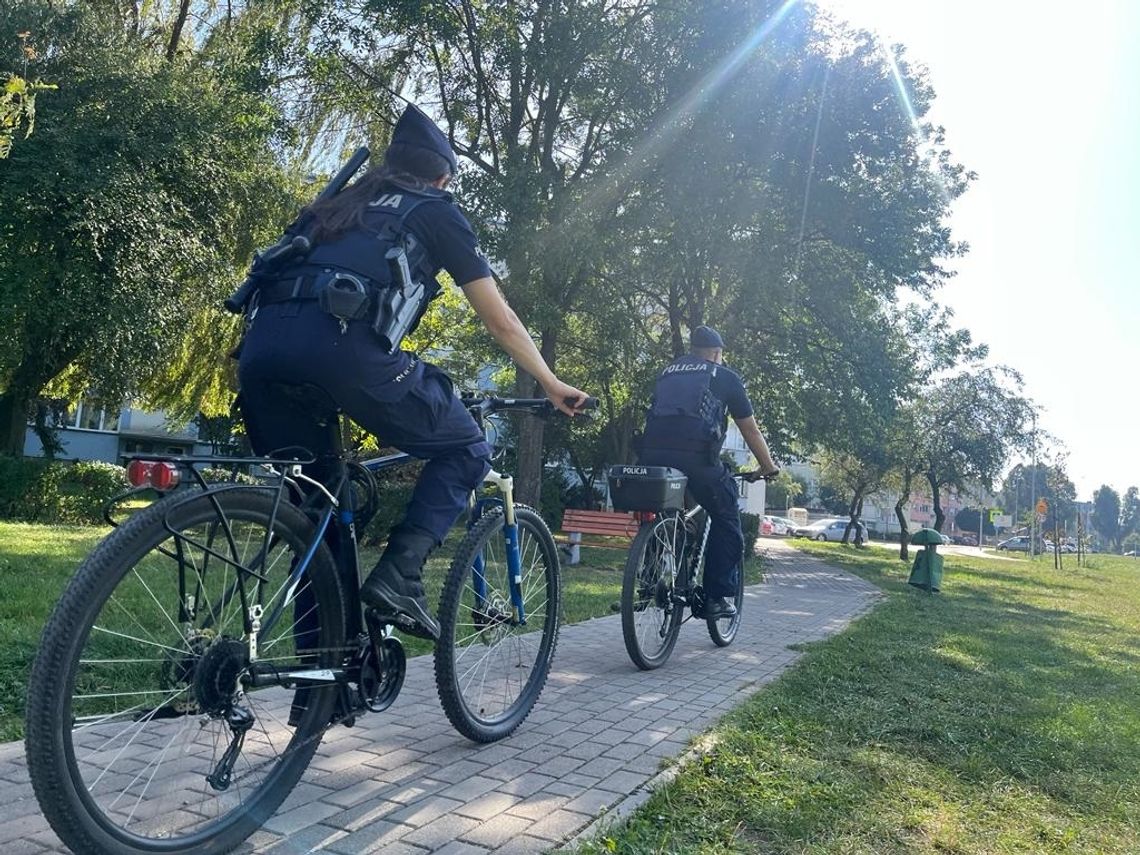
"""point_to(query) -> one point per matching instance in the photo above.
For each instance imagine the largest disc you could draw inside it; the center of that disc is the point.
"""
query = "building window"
(93, 415)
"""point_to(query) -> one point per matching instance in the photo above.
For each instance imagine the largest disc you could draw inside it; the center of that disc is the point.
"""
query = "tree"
(1106, 515)
(970, 423)
(785, 490)
(1130, 512)
(128, 212)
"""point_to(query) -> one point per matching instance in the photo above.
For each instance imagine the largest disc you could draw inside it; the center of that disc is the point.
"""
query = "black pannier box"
(647, 488)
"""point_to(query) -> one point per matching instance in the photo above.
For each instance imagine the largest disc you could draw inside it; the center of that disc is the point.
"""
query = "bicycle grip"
(588, 404)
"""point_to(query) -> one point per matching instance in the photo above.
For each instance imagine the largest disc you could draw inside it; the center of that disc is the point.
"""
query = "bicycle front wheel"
(490, 666)
(144, 734)
(650, 613)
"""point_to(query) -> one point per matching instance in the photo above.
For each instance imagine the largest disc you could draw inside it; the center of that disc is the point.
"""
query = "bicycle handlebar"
(755, 475)
(538, 406)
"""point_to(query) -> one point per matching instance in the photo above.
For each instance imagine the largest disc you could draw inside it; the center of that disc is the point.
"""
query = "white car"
(776, 526)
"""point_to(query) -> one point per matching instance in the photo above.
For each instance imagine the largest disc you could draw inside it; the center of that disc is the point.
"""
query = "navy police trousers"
(714, 489)
(407, 403)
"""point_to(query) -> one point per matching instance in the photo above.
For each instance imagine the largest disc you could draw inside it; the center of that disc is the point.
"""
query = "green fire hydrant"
(927, 570)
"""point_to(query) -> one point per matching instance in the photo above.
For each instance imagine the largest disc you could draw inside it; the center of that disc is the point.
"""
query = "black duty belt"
(306, 286)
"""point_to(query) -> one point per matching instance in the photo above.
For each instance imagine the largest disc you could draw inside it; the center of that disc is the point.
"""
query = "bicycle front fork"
(506, 485)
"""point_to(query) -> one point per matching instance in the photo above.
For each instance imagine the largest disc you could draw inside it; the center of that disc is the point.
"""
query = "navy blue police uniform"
(685, 429)
(402, 399)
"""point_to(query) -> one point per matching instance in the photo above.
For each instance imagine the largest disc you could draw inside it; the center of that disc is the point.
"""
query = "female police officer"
(395, 395)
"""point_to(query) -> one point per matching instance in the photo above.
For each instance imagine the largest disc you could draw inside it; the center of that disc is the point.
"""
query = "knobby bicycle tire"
(723, 632)
(652, 539)
(463, 628)
(68, 799)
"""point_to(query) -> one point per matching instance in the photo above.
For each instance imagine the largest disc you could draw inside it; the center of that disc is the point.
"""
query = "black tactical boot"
(718, 608)
(396, 585)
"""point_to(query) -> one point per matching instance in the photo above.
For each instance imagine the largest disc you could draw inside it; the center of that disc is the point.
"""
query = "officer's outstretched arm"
(757, 444)
(506, 328)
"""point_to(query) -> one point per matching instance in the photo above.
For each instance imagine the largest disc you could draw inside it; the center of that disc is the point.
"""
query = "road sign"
(1002, 521)
(994, 514)
(1042, 506)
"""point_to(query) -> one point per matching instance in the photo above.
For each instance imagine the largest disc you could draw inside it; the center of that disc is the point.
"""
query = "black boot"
(396, 584)
(719, 608)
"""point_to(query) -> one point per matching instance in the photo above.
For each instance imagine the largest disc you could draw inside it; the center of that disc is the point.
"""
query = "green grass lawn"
(1000, 716)
(37, 560)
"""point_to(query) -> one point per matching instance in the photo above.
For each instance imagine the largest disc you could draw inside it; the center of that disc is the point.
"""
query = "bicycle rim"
(489, 667)
(137, 685)
(650, 615)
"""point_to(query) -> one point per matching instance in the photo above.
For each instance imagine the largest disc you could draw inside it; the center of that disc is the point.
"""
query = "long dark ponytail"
(405, 167)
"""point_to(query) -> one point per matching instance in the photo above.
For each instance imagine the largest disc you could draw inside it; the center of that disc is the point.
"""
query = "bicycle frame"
(333, 501)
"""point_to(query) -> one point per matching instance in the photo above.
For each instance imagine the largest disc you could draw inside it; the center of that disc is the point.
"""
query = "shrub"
(750, 523)
(85, 488)
(29, 488)
(36, 490)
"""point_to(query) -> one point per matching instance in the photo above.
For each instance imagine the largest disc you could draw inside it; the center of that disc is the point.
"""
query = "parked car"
(789, 525)
(831, 530)
(775, 526)
(1015, 544)
(964, 539)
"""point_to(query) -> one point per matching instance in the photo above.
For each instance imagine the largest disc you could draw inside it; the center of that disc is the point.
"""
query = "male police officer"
(685, 429)
(306, 331)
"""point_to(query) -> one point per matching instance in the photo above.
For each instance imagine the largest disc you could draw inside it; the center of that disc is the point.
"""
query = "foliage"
(130, 209)
(1106, 515)
(34, 490)
(785, 489)
(968, 424)
(967, 520)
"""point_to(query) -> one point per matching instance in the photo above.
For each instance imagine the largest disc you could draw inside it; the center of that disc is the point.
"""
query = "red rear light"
(159, 474)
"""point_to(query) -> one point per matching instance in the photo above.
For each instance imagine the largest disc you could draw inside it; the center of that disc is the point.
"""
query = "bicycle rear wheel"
(723, 631)
(136, 698)
(650, 616)
(489, 667)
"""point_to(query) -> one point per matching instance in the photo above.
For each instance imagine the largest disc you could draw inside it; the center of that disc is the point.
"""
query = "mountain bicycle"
(666, 558)
(192, 665)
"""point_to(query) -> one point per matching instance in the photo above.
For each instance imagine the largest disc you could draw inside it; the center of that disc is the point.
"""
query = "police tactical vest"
(685, 407)
(361, 250)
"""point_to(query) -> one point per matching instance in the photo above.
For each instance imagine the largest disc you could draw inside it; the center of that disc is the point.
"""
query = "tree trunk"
(936, 497)
(854, 512)
(14, 405)
(528, 479)
(176, 35)
(904, 527)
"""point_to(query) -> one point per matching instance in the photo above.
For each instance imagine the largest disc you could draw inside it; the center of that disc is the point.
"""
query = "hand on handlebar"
(757, 475)
(567, 399)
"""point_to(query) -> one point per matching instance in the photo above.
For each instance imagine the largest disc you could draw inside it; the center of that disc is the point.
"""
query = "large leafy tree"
(130, 210)
(970, 423)
(1106, 514)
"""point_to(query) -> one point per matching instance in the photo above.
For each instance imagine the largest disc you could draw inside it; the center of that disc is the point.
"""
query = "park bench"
(607, 523)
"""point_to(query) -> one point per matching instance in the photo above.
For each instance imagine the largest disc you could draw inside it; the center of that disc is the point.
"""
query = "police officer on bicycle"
(685, 429)
(302, 333)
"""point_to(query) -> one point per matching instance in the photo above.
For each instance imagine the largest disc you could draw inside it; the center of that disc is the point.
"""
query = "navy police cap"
(416, 129)
(706, 337)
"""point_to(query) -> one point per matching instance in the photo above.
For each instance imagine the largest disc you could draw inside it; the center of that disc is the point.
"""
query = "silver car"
(828, 530)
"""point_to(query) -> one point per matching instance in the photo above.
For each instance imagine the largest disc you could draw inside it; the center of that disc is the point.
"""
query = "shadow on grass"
(982, 719)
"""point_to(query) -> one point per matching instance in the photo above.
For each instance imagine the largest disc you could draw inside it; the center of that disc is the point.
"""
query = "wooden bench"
(577, 523)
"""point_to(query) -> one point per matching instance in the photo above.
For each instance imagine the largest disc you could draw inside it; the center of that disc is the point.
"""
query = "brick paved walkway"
(403, 782)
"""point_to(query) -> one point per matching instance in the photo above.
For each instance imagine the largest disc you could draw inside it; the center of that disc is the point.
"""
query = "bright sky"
(1042, 100)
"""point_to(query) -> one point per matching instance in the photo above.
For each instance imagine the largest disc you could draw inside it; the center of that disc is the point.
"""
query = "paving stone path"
(405, 783)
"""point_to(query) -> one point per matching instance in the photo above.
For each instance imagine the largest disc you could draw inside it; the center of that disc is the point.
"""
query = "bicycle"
(665, 561)
(192, 665)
